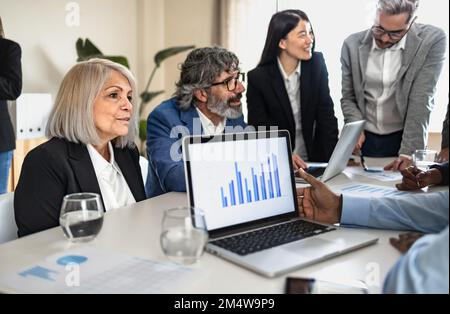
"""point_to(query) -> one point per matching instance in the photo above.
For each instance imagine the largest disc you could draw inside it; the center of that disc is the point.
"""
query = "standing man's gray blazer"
(423, 59)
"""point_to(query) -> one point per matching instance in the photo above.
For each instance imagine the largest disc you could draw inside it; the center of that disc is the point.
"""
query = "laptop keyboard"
(262, 239)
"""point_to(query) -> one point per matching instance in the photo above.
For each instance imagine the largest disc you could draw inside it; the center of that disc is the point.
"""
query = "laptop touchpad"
(312, 246)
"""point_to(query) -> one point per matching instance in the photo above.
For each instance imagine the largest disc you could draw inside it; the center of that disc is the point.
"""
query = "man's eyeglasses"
(231, 82)
(379, 31)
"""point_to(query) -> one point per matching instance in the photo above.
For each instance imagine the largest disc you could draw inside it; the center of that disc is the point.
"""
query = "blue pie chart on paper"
(71, 259)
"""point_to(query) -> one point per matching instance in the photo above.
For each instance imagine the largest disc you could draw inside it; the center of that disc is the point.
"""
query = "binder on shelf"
(29, 115)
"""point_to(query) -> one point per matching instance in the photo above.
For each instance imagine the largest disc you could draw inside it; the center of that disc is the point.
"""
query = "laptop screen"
(240, 179)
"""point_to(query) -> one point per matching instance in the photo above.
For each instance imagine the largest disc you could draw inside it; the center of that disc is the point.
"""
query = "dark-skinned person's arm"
(318, 202)
(443, 168)
(424, 268)
(427, 213)
(405, 240)
(414, 178)
(319, 191)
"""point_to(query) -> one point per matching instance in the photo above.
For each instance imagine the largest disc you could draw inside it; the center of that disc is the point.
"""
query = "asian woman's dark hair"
(281, 24)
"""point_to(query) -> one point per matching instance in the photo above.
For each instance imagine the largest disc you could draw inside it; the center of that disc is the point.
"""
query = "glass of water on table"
(183, 234)
(81, 216)
(424, 158)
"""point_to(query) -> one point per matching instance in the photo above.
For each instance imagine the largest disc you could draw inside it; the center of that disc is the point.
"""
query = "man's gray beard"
(222, 108)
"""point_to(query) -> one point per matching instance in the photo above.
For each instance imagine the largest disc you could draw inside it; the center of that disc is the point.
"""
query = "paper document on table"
(317, 164)
(367, 190)
(384, 176)
(91, 270)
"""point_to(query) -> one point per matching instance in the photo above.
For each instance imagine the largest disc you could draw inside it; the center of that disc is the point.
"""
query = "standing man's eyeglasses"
(231, 82)
(379, 31)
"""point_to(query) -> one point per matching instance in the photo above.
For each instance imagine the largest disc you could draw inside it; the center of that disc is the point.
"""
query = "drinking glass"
(81, 216)
(423, 158)
(184, 234)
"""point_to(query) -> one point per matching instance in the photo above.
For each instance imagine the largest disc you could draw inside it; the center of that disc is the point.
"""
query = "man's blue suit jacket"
(166, 126)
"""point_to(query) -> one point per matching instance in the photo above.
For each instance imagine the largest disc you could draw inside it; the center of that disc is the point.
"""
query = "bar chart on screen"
(240, 181)
(261, 183)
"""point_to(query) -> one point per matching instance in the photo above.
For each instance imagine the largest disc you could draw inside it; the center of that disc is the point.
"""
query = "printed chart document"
(92, 270)
(384, 176)
(368, 190)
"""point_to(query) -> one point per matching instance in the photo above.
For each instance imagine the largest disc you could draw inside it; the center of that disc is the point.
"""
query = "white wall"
(165, 23)
(193, 22)
(136, 29)
(151, 35)
(48, 42)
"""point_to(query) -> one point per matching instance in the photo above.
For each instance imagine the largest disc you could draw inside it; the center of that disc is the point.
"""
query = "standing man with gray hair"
(207, 101)
(10, 89)
(389, 77)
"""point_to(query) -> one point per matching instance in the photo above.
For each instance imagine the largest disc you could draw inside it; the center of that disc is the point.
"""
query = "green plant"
(87, 50)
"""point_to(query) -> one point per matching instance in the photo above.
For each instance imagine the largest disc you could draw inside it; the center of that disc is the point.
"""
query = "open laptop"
(244, 185)
(341, 154)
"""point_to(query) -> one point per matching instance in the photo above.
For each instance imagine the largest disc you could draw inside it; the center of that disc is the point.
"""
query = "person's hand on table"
(318, 202)
(400, 163)
(405, 241)
(416, 179)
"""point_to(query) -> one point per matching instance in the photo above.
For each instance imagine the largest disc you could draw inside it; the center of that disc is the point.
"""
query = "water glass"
(81, 216)
(423, 158)
(184, 234)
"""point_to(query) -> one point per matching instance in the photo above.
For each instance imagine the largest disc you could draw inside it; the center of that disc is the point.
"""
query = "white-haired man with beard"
(206, 102)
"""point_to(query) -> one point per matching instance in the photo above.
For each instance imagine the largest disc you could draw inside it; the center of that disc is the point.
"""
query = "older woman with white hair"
(91, 128)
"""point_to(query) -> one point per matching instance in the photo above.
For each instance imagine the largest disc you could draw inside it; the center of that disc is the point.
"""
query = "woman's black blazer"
(269, 105)
(59, 167)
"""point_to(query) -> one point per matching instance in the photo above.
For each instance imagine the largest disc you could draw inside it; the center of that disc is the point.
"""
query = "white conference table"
(135, 230)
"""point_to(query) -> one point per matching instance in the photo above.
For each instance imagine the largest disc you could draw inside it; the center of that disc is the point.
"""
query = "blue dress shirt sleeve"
(425, 268)
(421, 212)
